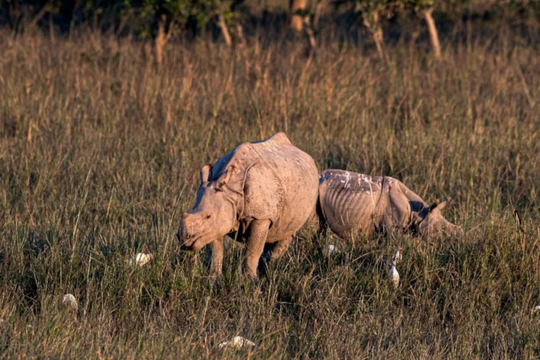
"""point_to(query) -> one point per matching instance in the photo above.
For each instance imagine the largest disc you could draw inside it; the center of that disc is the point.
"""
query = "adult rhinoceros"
(260, 193)
(351, 204)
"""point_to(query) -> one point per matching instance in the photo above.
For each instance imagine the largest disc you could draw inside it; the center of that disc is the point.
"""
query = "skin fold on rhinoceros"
(260, 193)
(351, 204)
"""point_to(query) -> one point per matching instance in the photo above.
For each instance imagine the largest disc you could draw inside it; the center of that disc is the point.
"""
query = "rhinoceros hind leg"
(280, 248)
(272, 251)
(255, 245)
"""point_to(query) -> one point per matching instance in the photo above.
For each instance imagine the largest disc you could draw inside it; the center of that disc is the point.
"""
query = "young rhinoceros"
(260, 193)
(351, 203)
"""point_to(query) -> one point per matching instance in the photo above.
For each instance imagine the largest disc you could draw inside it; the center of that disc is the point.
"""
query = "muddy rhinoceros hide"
(261, 192)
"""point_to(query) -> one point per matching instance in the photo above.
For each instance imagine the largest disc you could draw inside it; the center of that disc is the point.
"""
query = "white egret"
(238, 342)
(393, 274)
(140, 259)
(70, 300)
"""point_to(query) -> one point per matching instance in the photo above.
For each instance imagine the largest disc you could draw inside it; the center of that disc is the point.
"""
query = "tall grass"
(100, 152)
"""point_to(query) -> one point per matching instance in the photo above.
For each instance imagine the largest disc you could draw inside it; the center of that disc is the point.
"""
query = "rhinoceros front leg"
(255, 245)
(216, 258)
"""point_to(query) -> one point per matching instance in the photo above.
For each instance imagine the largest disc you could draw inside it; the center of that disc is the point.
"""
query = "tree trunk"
(51, 29)
(297, 7)
(162, 37)
(433, 34)
(44, 9)
(378, 36)
(224, 30)
(377, 32)
(317, 14)
(240, 40)
(159, 41)
(310, 35)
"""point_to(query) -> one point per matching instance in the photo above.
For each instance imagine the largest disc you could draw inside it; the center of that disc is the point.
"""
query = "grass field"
(100, 152)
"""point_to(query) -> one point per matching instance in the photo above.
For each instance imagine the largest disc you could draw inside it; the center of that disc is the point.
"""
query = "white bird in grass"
(397, 256)
(393, 274)
(70, 300)
(332, 249)
(238, 342)
(140, 259)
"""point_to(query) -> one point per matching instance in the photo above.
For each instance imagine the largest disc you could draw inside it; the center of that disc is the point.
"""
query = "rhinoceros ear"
(437, 205)
(226, 177)
(205, 173)
(442, 205)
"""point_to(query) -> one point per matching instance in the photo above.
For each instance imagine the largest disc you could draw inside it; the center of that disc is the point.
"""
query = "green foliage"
(179, 12)
(420, 5)
(368, 7)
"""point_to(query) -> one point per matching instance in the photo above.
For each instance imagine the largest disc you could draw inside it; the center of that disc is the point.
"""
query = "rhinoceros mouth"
(188, 244)
(194, 243)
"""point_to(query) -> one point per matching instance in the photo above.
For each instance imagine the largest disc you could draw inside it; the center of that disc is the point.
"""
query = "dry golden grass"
(100, 151)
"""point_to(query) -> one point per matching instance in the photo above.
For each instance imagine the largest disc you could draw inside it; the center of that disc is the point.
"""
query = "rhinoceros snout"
(182, 233)
(185, 239)
(184, 236)
(178, 236)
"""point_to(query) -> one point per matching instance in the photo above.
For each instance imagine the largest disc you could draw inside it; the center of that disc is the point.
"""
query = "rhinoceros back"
(353, 203)
(348, 201)
(286, 180)
(246, 154)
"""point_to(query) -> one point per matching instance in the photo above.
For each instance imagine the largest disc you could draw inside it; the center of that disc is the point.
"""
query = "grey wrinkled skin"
(260, 193)
(351, 204)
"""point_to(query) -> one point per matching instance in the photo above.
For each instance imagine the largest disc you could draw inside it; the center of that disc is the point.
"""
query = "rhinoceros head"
(215, 211)
(431, 224)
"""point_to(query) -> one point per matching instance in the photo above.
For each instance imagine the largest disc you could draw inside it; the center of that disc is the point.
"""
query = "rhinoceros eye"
(207, 217)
